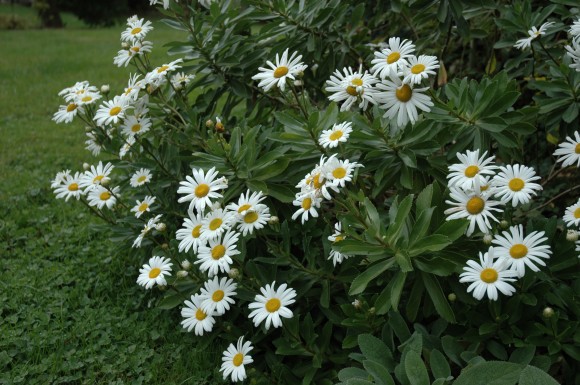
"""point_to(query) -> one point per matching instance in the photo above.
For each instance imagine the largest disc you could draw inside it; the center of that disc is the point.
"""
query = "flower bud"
(548, 312)
(273, 220)
(86, 166)
(357, 304)
(182, 274)
(372, 310)
(487, 239)
(209, 123)
(105, 89)
(164, 246)
(125, 45)
(572, 235)
(219, 127)
(504, 224)
(104, 182)
(186, 265)
(452, 297)
(161, 227)
(234, 273)
(298, 83)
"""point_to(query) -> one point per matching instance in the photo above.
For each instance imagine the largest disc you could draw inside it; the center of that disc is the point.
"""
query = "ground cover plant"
(70, 312)
(349, 193)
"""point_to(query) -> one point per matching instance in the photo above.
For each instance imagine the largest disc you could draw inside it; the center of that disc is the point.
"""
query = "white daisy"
(66, 114)
(315, 182)
(126, 147)
(338, 236)
(573, 52)
(474, 206)
(190, 234)
(143, 206)
(254, 219)
(154, 272)
(217, 256)
(201, 189)
(401, 100)
(216, 222)
(92, 145)
(515, 184)
(338, 172)
(338, 133)
(389, 61)
(181, 80)
(155, 76)
(69, 187)
(572, 215)
(235, 358)
(352, 87)
(137, 30)
(87, 98)
(420, 68)
(472, 169)
(278, 74)
(272, 304)
(96, 176)
(216, 295)
(488, 277)
(520, 251)
(308, 203)
(247, 201)
(111, 111)
(568, 152)
(131, 92)
(195, 317)
(60, 178)
(151, 224)
(78, 88)
(135, 126)
(575, 29)
(141, 177)
(100, 197)
(533, 33)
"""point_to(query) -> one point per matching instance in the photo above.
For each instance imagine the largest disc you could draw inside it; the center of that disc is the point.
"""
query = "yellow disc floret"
(273, 305)
(518, 251)
(201, 190)
(336, 135)
(471, 171)
(154, 273)
(217, 295)
(200, 315)
(488, 275)
(215, 224)
(417, 69)
(404, 93)
(238, 359)
(280, 71)
(475, 205)
(251, 217)
(516, 184)
(393, 57)
(115, 111)
(218, 251)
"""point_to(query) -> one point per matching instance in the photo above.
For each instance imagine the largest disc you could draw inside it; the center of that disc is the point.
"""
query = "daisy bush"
(349, 192)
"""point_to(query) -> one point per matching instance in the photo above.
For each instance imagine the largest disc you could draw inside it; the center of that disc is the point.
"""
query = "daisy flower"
(515, 184)
(420, 68)
(181, 80)
(101, 197)
(69, 187)
(352, 87)
(533, 33)
(141, 177)
(66, 114)
(573, 52)
(338, 133)
(151, 224)
(472, 169)
(254, 219)
(487, 277)
(307, 203)
(201, 189)
(78, 88)
(160, 72)
(190, 234)
(572, 215)
(520, 251)
(137, 30)
(126, 147)
(389, 61)
(217, 256)
(402, 101)
(246, 202)
(131, 92)
(272, 304)
(216, 295)
(338, 236)
(568, 152)
(235, 358)
(60, 178)
(165, 3)
(135, 48)
(96, 176)
(338, 172)
(315, 182)
(111, 111)
(135, 126)
(278, 74)
(154, 272)
(143, 206)
(474, 206)
(87, 98)
(216, 222)
(575, 29)
(92, 145)
(195, 317)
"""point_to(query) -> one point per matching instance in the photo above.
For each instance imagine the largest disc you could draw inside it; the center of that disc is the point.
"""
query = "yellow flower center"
(200, 315)
(475, 205)
(338, 238)
(136, 128)
(484, 187)
(417, 68)
(404, 93)
(251, 217)
(115, 111)
(393, 57)
(135, 49)
(135, 30)
(317, 182)
(154, 273)
(71, 107)
(196, 232)
(141, 179)
(339, 173)
(98, 178)
(144, 206)
(73, 187)
(351, 89)
(273, 305)
(217, 295)
(518, 251)
(201, 190)
(162, 69)
(577, 149)
(516, 184)
(306, 203)
(577, 213)
(218, 251)
(471, 171)
(336, 135)
(215, 223)
(280, 71)
(238, 359)
(244, 208)
(87, 99)
(488, 275)
(128, 90)
(105, 195)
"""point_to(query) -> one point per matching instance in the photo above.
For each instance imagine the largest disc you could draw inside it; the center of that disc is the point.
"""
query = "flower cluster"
(573, 51)
(285, 69)
(133, 41)
(532, 34)
(477, 190)
(78, 97)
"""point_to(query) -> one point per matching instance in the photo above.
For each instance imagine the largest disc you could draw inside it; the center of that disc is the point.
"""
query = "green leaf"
(434, 242)
(452, 349)
(453, 229)
(404, 261)
(375, 350)
(358, 381)
(380, 374)
(415, 369)
(424, 198)
(439, 299)
(571, 113)
(397, 322)
(534, 376)
(523, 355)
(391, 294)
(490, 373)
(439, 365)
(360, 283)
(492, 124)
(348, 373)
(171, 301)
(402, 211)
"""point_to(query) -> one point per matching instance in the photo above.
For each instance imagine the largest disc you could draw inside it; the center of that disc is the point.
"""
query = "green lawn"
(71, 312)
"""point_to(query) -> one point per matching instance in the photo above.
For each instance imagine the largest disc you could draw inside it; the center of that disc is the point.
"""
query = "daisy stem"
(177, 113)
(156, 160)
(302, 108)
(557, 196)
(116, 197)
(97, 213)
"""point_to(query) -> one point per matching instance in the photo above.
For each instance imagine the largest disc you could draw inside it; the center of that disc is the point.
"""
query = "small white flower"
(190, 234)
(68, 186)
(141, 177)
(272, 304)
(216, 295)
(352, 87)
(474, 206)
(515, 184)
(338, 236)
(201, 189)
(472, 169)
(217, 256)
(278, 74)
(111, 111)
(393, 58)
(195, 317)
(216, 222)
(533, 34)
(143, 206)
(339, 133)
(420, 68)
(572, 215)
(568, 152)
(235, 358)
(154, 272)
(307, 203)
(101, 197)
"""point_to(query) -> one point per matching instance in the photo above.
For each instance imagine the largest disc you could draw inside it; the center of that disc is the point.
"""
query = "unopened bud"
(234, 273)
(165, 246)
(487, 239)
(105, 89)
(125, 45)
(182, 274)
(298, 83)
(452, 297)
(273, 220)
(548, 312)
(572, 235)
(372, 310)
(177, 86)
(504, 224)
(314, 68)
(86, 166)
(88, 129)
(219, 127)
(209, 123)
(161, 227)
(104, 182)
(357, 304)
(186, 265)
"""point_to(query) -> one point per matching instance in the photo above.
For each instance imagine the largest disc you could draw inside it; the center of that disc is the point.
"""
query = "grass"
(71, 312)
